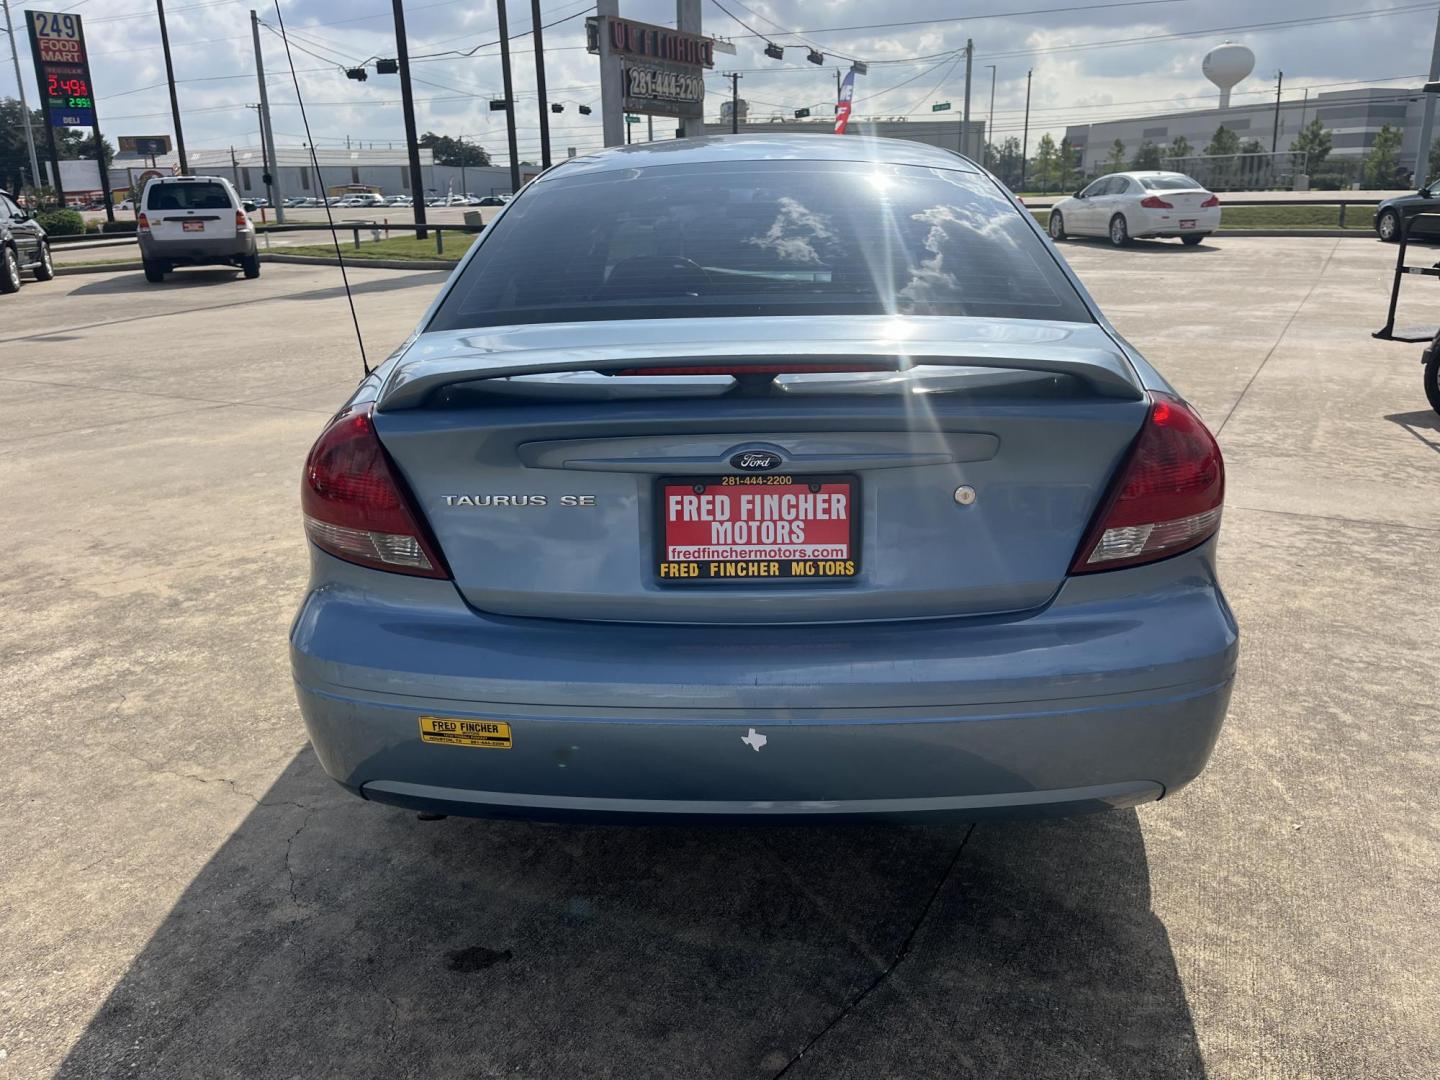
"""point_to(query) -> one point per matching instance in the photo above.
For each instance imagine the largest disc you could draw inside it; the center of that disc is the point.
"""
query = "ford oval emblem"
(756, 460)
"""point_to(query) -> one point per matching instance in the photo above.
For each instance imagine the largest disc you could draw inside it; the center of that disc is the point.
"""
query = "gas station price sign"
(57, 41)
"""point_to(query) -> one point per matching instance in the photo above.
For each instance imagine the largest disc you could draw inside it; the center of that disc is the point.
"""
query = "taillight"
(1213, 200)
(356, 506)
(241, 221)
(142, 224)
(1167, 498)
(1154, 202)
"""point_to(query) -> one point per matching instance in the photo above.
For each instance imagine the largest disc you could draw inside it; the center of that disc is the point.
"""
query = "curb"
(380, 264)
(100, 268)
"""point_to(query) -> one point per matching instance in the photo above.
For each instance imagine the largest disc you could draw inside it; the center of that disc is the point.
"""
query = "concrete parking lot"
(184, 894)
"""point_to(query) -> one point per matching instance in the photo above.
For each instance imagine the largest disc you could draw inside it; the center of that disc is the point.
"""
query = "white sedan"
(1127, 205)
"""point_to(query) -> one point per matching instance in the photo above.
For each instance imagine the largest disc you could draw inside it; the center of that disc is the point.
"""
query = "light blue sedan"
(764, 478)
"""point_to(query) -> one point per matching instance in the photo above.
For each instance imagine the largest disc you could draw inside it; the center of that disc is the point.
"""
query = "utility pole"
(170, 78)
(965, 117)
(24, 105)
(464, 189)
(1275, 136)
(837, 90)
(273, 191)
(1025, 138)
(734, 77)
(407, 104)
(234, 169)
(990, 120)
(509, 96)
(540, 83)
(1427, 122)
(650, 125)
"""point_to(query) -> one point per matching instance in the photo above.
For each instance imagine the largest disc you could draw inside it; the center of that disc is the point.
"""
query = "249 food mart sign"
(57, 41)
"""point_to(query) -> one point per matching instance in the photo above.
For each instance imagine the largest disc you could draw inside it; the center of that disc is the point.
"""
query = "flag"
(842, 107)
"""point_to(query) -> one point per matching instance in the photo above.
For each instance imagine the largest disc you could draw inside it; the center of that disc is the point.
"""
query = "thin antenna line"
(334, 237)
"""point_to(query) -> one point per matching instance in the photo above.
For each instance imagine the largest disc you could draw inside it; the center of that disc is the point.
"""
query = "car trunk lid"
(555, 464)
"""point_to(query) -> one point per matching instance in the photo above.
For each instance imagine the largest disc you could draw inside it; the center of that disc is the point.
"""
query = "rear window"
(752, 238)
(197, 196)
(1173, 182)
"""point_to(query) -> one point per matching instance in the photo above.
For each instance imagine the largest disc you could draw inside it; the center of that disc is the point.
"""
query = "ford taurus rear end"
(776, 479)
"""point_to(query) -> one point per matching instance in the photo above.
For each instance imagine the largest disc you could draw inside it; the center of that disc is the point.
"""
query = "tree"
(456, 152)
(1434, 161)
(991, 157)
(14, 158)
(1042, 169)
(1147, 157)
(1180, 148)
(1009, 168)
(73, 146)
(1069, 158)
(1315, 142)
(1223, 143)
(1116, 161)
(1382, 164)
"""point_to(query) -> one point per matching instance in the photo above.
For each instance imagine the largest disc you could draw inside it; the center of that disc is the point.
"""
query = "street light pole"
(1025, 138)
(509, 96)
(990, 121)
(965, 119)
(407, 103)
(170, 78)
(540, 83)
(24, 105)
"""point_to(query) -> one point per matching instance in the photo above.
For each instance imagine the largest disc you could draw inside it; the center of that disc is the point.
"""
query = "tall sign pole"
(509, 97)
(273, 191)
(544, 106)
(170, 78)
(650, 70)
(24, 105)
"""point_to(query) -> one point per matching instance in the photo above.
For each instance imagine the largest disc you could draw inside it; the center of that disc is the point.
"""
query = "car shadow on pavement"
(1424, 424)
(332, 937)
(199, 279)
(1147, 247)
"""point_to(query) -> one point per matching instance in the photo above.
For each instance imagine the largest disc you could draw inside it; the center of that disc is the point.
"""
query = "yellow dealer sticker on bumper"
(450, 731)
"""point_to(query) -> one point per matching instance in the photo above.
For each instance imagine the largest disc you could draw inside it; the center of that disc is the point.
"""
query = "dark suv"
(23, 245)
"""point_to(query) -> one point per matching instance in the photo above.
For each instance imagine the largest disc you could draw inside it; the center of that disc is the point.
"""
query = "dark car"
(1389, 213)
(23, 245)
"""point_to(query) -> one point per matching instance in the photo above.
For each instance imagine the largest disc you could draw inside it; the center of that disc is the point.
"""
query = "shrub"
(118, 226)
(61, 222)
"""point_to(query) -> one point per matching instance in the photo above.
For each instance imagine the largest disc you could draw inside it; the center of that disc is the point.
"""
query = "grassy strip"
(1281, 217)
(397, 247)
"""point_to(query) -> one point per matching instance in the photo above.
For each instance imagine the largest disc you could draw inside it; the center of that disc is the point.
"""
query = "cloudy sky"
(1091, 59)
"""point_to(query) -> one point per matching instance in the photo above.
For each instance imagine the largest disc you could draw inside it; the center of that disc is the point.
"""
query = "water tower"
(1225, 65)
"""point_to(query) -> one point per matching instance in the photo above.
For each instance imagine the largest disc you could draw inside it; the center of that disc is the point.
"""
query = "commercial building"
(386, 169)
(1354, 118)
(942, 133)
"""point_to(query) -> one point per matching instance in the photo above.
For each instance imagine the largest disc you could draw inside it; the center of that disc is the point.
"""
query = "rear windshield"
(196, 196)
(1173, 182)
(751, 238)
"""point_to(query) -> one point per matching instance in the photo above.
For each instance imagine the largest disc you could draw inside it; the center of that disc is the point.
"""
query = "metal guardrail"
(355, 228)
(1343, 204)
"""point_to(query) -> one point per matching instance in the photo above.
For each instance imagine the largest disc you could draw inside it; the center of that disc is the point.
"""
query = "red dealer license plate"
(754, 529)
(193, 226)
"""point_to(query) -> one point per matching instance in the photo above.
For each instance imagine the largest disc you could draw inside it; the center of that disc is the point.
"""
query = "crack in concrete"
(904, 951)
(234, 785)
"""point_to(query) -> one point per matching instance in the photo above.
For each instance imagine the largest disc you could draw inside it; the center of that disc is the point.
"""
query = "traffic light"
(499, 104)
(555, 106)
(816, 57)
(387, 67)
(359, 74)
(584, 110)
(775, 52)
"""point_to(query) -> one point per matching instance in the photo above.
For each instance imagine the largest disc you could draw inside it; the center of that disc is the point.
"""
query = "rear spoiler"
(1105, 371)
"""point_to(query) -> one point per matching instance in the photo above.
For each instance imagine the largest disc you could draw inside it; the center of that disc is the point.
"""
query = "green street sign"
(801, 113)
(943, 106)
(632, 119)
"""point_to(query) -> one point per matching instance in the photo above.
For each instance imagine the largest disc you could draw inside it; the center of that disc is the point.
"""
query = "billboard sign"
(62, 69)
(145, 145)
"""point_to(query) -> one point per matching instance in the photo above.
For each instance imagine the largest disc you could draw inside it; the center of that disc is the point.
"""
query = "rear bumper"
(1168, 222)
(198, 251)
(1111, 696)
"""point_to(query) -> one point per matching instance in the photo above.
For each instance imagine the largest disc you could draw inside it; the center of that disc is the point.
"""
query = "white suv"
(194, 221)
